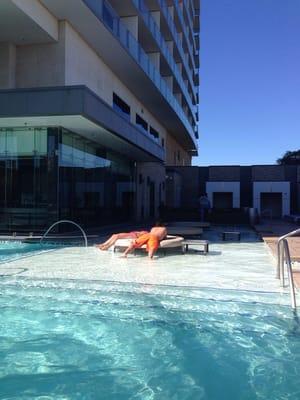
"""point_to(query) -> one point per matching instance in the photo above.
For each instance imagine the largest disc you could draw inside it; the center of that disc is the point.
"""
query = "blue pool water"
(12, 250)
(79, 340)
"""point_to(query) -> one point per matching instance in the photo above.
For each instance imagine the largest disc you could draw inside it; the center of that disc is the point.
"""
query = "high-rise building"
(96, 98)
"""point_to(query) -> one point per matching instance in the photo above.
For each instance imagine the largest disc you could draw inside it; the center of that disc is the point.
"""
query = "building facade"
(96, 98)
(273, 190)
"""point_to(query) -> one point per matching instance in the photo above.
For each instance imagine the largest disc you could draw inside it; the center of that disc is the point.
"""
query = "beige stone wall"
(175, 154)
(40, 15)
(41, 64)
(84, 66)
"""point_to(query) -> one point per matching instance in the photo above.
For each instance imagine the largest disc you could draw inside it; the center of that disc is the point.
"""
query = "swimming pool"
(14, 249)
(66, 340)
(85, 324)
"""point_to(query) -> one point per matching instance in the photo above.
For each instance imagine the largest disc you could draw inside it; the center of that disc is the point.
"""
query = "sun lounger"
(170, 242)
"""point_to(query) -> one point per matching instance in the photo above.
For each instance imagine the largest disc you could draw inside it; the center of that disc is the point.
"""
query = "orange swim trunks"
(151, 241)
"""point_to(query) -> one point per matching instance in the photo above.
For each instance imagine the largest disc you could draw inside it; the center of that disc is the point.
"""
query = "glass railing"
(155, 30)
(170, 22)
(191, 21)
(193, 9)
(106, 14)
(185, 30)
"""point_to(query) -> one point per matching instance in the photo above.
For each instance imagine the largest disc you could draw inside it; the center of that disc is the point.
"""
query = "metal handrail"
(68, 222)
(283, 255)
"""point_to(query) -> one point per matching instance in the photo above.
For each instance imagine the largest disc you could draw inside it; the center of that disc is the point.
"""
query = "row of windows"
(124, 109)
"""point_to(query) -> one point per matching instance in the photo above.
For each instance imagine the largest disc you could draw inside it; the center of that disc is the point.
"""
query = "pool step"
(151, 305)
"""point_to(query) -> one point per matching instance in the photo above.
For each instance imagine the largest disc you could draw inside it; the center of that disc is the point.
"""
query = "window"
(121, 107)
(141, 123)
(154, 133)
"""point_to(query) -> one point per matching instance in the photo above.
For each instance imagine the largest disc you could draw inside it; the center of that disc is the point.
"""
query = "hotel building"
(97, 97)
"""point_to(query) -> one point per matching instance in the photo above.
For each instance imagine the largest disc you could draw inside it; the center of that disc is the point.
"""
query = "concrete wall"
(174, 189)
(224, 173)
(84, 66)
(148, 173)
(42, 64)
(7, 65)
(268, 173)
(173, 150)
(40, 15)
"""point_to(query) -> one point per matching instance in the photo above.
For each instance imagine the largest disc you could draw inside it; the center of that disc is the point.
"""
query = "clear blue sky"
(250, 81)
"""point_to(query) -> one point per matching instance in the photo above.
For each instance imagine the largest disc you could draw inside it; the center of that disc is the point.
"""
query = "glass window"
(141, 123)
(154, 133)
(120, 106)
(28, 180)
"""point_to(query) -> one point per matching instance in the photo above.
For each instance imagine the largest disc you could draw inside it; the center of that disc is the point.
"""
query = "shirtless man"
(150, 239)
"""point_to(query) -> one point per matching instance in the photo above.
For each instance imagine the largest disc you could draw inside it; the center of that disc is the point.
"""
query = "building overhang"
(77, 109)
(26, 22)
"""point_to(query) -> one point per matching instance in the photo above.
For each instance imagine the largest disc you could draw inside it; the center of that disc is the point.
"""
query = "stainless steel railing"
(284, 257)
(65, 221)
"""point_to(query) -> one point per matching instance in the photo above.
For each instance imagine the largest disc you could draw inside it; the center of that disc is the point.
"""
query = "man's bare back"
(159, 231)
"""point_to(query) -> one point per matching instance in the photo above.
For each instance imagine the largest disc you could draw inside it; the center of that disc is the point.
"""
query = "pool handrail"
(68, 222)
(283, 256)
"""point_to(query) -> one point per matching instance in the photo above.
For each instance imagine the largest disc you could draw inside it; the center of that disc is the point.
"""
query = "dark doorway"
(271, 205)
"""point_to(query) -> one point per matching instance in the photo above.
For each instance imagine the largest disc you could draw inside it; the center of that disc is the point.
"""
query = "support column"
(7, 66)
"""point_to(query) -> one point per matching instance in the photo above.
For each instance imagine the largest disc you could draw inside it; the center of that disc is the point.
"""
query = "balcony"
(160, 41)
(171, 26)
(185, 31)
(105, 13)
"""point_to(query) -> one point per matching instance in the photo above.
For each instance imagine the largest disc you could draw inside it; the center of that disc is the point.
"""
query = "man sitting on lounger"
(122, 235)
(150, 239)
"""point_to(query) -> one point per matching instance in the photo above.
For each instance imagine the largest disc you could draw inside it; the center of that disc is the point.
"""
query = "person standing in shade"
(204, 204)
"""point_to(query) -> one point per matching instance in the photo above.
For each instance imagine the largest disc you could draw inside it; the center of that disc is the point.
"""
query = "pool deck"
(271, 231)
(230, 265)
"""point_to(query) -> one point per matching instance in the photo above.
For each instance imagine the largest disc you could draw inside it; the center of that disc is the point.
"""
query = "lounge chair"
(171, 242)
